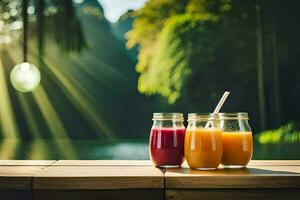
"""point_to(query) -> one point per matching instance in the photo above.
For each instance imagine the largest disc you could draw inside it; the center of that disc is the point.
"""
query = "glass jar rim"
(168, 116)
(202, 116)
(234, 115)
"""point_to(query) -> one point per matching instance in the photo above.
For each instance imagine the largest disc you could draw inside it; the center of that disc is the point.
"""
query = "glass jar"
(167, 140)
(237, 139)
(203, 141)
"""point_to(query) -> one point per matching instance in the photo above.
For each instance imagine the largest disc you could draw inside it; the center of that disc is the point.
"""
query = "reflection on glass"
(203, 142)
(167, 140)
(237, 139)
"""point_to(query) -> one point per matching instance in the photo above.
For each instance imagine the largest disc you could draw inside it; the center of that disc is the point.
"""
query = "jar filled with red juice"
(166, 145)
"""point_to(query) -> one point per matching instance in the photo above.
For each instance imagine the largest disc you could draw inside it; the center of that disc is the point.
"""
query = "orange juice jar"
(203, 144)
(237, 139)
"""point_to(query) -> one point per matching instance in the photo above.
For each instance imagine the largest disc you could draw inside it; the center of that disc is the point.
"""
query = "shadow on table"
(228, 171)
(254, 170)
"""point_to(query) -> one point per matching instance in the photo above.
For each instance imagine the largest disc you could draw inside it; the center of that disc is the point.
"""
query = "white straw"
(221, 102)
(219, 106)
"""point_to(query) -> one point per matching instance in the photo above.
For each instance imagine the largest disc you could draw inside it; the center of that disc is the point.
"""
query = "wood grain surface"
(27, 162)
(18, 177)
(254, 176)
(98, 177)
(132, 179)
(104, 162)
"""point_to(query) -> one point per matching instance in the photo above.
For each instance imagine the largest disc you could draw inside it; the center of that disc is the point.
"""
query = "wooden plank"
(232, 194)
(103, 162)
(19, 171)
(251, 177)
(98, 177)
(27, 162)
(274, 162)
(17, 177)
(127, 174)
(132, 194)
(125, 162)
(15, 183)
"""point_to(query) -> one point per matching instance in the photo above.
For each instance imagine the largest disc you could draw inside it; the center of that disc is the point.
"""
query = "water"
(277, 151)
(114, 150)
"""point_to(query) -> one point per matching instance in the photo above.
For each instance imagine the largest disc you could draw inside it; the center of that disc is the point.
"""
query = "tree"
(59, 16)
(192, 52)
(176, 48)
(260, 68)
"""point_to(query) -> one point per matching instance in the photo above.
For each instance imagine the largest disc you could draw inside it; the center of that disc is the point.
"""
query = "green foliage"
(56, 18)
(170, 66)
(148, 23)
(288, 133)
(10, 21)
(186, 47)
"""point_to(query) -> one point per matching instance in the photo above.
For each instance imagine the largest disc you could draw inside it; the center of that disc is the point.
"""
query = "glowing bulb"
(25, 77)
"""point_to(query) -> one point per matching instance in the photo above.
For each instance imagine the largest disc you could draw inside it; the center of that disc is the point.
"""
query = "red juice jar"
(166, 145)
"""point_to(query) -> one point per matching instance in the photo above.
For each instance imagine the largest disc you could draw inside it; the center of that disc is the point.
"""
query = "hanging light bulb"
(25, 77)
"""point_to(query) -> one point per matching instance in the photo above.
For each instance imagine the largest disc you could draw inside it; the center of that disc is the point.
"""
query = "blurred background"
(107, 65)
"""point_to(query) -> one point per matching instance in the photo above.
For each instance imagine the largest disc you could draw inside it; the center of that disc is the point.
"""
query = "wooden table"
(116, 179)
(260, 180)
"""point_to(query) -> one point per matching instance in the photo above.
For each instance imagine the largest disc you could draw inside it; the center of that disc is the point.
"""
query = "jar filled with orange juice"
(237, 139)
(203, 144)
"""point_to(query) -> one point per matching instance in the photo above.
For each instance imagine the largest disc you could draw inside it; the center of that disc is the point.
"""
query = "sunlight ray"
(53, 121)
(8, 123)
(80, 98)
(34, 129)
(38, 149)
(8, 148)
